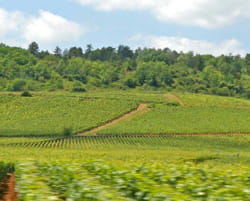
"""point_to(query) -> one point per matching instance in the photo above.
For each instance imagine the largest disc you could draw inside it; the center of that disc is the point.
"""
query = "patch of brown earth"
(7, 188)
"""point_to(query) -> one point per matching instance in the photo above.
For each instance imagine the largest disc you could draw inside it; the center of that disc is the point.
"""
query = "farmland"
(164, 119)
(42, 115)
(104, 181)
(130, 168)
(143, 156)
(224, 149)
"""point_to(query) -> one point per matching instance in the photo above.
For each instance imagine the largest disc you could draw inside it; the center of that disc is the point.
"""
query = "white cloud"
(46, 28)
(10, 21)
(203, 13)
(184, 44)
(49, 28)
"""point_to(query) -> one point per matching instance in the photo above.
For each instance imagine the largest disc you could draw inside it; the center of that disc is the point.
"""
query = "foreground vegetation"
(130, 168)
(104, 181)
(5, 168)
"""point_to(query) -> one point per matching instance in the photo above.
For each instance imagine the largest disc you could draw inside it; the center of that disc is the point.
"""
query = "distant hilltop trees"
(122, 68)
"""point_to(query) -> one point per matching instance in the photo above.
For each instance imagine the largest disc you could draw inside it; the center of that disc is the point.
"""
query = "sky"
(202, 26)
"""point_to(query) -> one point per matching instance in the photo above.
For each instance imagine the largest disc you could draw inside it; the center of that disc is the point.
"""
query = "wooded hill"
(122, 68)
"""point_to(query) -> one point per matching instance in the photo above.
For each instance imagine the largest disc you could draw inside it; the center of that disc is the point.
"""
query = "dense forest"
(76, 69)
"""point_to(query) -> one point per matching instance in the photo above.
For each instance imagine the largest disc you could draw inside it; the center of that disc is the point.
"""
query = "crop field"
(211, 149)
(138, 97)
(130, 168)
(195, 143)
(105, 181)
(131, 156)
(211, 100)
(164, 119)
(38, 115)
(55, 114)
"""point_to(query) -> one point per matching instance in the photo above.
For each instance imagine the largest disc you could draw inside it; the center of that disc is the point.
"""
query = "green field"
(118, 165)
(210, 100)
(103, 181)
(130, 168)
(50, 115)
(225, 149)
(181, 120)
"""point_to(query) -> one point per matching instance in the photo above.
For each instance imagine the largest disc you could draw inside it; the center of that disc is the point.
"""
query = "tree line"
(76, 69)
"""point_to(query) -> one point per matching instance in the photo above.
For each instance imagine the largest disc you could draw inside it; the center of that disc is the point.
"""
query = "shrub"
(67, 131)
(18, 85)
(26, 94)
(248, 94)
(79, 89)
(175, 104)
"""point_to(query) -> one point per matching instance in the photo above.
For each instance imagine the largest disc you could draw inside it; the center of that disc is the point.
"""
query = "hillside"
(115, 113)
(122, 68)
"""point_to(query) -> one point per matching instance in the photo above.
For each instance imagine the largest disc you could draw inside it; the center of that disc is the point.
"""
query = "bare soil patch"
(7, 189)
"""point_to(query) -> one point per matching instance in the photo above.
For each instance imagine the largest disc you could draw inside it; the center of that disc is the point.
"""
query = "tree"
(43, 54)
(75, 52)
(58, 51)
(34, 48)
(125, 52)
(89, 49)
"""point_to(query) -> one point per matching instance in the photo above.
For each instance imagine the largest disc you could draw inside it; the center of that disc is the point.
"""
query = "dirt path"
(9, 188)
(176, 98)
(142, 108)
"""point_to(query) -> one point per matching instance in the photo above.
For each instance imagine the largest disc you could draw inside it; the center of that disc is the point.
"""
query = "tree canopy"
(123, 68)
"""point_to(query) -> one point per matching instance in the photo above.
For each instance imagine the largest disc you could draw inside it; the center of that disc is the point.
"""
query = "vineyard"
(104, 181)
(41, 115)
(129, 168)
(209, 143)
(57, 114)
(145, 154)
(209, 100)
(164, 119)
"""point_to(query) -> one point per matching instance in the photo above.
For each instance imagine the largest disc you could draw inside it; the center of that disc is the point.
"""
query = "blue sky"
(202, 26)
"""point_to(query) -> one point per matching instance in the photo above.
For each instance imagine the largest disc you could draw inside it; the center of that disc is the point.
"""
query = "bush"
(67, 131)
(224, 91)
(79, 89)
(175, 104)
(131, 83)
(26, 94)
(18, 85)
(248, 94)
